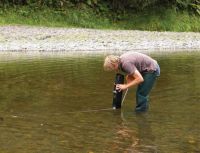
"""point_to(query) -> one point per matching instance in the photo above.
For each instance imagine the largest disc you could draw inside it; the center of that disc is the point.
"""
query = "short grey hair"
(109, 62)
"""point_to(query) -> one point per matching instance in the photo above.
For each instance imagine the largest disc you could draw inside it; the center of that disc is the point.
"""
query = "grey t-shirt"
(131, 61)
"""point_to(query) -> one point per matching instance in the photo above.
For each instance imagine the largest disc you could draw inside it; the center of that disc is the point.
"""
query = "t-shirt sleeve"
(129, 68)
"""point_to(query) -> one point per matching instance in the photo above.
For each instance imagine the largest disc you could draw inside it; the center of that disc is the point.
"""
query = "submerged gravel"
(28, 38)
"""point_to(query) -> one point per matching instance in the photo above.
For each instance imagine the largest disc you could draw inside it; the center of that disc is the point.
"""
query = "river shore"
(33, 38)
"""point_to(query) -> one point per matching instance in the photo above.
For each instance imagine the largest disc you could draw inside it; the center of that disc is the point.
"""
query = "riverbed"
(63, 103)
(56, 97)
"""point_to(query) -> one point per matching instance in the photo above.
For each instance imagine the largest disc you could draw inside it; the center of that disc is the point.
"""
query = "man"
(141, 71)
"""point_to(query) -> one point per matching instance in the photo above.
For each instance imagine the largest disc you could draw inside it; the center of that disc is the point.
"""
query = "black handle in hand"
(117, 95)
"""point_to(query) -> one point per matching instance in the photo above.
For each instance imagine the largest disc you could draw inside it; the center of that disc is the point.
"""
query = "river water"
(62, 104)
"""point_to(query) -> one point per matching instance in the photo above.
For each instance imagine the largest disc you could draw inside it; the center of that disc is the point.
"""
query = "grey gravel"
(31, 38)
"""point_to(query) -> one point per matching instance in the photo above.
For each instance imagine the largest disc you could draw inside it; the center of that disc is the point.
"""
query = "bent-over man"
(141, 71)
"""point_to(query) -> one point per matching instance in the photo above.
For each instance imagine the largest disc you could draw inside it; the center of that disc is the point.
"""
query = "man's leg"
(143, 91)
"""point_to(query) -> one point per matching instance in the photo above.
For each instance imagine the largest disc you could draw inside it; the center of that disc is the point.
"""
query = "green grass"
(152, 20)
(167, 20)
(52, 18)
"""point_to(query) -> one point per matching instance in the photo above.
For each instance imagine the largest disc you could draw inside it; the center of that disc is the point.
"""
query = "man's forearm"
(133, 83)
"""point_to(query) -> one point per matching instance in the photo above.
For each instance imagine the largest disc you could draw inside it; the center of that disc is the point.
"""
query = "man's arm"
(132, 80)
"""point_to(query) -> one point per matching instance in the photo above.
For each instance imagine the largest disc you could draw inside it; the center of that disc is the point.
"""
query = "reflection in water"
(145, 134)
(128, 140)
(125, 139)
(63, 104)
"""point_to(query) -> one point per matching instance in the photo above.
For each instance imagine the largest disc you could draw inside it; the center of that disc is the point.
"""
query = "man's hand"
(120, 87)
(132, 80)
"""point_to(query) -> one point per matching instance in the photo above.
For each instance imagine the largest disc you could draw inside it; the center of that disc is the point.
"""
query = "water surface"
(51, 104)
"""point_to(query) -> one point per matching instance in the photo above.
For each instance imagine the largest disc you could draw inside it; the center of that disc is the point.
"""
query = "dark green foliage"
(105, 5)
(190, 5)
(160, 15)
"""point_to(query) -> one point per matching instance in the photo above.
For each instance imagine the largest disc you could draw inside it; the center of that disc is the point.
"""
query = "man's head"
(111, 63)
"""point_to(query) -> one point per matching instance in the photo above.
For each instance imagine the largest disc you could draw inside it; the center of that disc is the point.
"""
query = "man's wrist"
(126, 85)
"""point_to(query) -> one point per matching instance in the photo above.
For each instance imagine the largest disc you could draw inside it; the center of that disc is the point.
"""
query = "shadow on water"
(63, 104)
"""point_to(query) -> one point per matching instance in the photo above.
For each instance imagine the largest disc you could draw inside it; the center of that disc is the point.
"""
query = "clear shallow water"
(53, 105)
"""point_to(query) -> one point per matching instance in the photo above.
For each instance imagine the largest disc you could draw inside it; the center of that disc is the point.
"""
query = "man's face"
(115, 66)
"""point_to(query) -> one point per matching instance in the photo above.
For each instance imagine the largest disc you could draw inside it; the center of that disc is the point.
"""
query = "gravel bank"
(28, 38)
